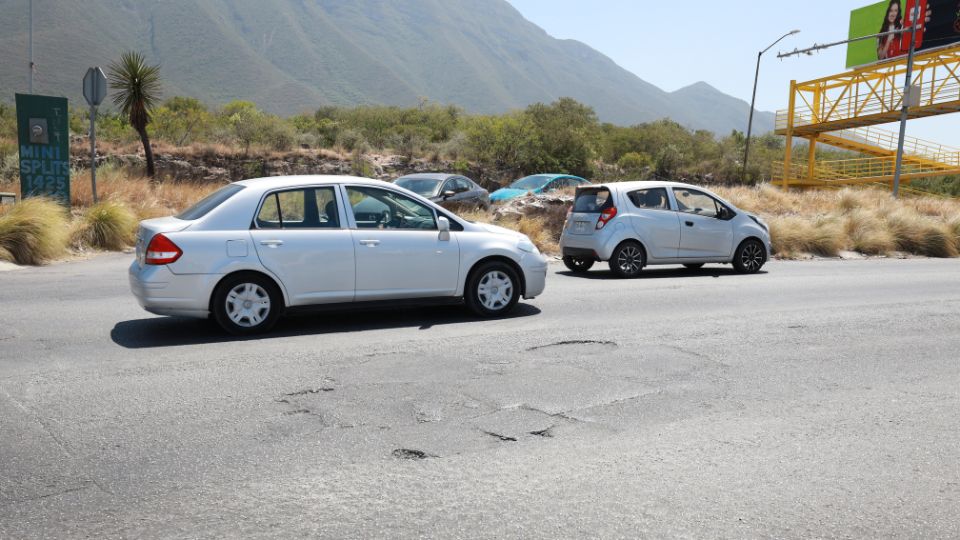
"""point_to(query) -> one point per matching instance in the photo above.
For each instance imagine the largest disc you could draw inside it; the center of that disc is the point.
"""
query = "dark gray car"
(442, 188)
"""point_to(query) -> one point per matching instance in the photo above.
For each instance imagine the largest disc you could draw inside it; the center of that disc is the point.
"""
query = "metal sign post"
(94, 90)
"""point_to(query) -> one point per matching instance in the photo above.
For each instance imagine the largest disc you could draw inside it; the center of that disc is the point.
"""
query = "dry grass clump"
(867, 233)
(793, 235)
(865, 220)
(33, 231)
(145, 198)
(106, 225)
(921, 235)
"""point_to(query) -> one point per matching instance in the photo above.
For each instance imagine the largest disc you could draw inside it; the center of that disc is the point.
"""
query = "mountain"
(291, 56)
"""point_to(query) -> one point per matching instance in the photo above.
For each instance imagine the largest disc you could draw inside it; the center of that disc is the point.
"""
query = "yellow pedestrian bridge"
(842, 110)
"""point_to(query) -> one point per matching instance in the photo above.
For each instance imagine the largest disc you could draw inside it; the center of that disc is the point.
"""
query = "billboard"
(939, 26)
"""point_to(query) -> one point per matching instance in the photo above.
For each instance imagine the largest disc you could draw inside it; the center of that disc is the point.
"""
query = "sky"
(675, 44)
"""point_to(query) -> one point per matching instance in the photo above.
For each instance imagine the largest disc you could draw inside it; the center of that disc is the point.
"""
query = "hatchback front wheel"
(749, 257)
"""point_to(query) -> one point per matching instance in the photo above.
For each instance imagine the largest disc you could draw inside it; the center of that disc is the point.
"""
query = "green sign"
(43, 132)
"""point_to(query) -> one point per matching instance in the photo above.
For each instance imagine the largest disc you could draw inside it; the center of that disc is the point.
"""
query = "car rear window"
(592, 200)
(208, 203)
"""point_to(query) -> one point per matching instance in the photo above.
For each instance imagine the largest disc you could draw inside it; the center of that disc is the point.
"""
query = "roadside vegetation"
(564, 137)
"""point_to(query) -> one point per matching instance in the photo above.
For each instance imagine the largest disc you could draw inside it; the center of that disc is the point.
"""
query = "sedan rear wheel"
(628, 260)
(493, 290)
(247, 304)
(749, 257)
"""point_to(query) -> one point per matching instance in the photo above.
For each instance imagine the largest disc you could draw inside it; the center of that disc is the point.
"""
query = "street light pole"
(31, 46)
(753, 101)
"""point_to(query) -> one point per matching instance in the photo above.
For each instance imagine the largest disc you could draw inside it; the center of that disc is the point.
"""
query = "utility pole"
(905, 112)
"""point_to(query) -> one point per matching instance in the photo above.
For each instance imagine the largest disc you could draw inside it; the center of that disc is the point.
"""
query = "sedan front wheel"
(492, 290)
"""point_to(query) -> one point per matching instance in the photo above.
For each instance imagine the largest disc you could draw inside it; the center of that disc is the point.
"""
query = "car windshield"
(426, 187)
(209, 202)
(531, 182)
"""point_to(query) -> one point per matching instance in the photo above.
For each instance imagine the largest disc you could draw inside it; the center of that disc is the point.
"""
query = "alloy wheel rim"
(629, 260)
(248, 305)
(495, 290)
(752, 257)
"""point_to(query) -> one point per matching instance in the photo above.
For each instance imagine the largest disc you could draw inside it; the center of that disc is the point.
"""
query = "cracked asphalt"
(818, 399)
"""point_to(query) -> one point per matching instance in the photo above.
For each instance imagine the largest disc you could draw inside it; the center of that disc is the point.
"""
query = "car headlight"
(524, 244)
(763, 224)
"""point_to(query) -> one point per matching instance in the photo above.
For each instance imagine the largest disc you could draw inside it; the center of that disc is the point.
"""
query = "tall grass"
(866, 220)
(33, 231)
(106, 225)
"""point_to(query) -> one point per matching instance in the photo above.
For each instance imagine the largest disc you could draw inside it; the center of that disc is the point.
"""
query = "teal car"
(537, 183)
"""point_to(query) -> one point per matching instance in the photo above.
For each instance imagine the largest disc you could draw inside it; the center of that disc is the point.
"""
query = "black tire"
(254, 308)
(749, 257)
(628, 260)
(578, 265)
(693, 266)
(485, 293)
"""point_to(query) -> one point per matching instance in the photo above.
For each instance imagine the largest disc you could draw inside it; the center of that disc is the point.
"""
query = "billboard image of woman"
(889, 46)
(936, 29)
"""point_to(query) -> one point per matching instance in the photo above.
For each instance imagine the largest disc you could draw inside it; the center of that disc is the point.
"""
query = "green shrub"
(33, 231)
(107, 225)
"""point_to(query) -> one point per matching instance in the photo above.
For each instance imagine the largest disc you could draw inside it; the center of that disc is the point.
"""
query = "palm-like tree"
(137, 87)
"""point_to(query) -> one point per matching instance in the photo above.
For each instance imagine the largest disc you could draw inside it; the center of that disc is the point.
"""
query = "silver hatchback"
(635, 224)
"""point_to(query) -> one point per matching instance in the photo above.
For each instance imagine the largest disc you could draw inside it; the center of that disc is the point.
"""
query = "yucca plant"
(137, 87)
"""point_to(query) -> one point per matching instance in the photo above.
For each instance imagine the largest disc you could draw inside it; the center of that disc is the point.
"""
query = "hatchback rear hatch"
(593, 207)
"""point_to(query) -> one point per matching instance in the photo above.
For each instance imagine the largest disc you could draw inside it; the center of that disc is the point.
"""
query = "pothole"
(546, 433)
(503, 438)
(602, 343)
(407, 453)
(310, 391)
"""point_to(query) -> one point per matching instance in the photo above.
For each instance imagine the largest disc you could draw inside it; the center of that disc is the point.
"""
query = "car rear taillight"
(162, 251)
(605, 216)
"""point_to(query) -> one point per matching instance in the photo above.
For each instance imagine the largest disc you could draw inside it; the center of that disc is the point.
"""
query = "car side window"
(461, 185)
(310, 208)
(375, 208)
(695, 202)
(651, 199)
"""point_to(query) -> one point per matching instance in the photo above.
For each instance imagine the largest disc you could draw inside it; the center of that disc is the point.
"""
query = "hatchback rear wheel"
(492, 290)
(578, 265)
(247, 304)
(628, 260)
(749, 257)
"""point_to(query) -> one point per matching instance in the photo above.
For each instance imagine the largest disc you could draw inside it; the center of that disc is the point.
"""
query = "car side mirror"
(449, 193)
(443, 225)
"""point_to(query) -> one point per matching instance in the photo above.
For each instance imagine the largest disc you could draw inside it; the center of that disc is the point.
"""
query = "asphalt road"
(818, 399)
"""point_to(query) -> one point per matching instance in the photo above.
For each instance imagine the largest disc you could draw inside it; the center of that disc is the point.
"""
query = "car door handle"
(689, 223)
(370, 243)
(271, 243)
